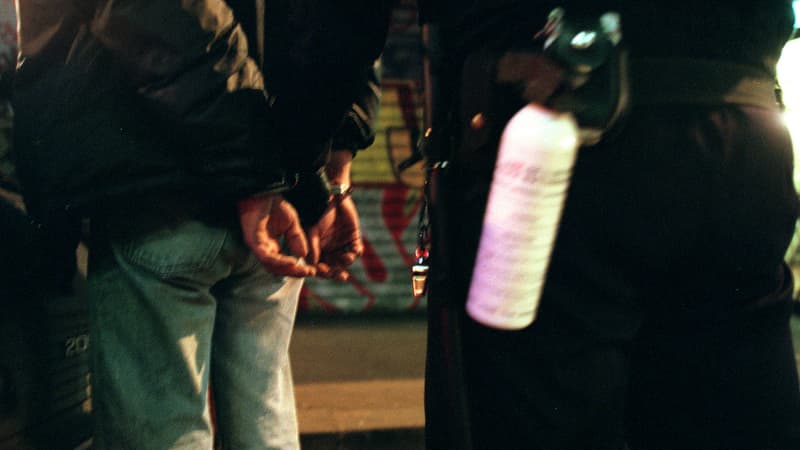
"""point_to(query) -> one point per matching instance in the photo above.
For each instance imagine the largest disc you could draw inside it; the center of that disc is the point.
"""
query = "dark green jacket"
(118, 99)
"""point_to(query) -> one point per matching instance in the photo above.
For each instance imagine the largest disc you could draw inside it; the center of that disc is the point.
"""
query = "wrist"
(338, 167)
(310, 197)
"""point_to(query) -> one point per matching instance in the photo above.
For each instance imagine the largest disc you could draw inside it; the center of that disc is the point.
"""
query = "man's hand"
(336, 239)
(264, 220)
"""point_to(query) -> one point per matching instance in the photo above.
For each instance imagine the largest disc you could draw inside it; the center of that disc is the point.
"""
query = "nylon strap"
(697, 81)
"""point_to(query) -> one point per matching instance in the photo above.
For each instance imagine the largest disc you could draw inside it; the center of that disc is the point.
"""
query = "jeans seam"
(135, 253)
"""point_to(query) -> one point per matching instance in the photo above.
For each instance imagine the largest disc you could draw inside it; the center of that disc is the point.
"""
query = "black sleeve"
(357, 130)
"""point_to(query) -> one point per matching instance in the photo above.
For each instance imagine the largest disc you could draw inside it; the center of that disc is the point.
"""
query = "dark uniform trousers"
(664, 323)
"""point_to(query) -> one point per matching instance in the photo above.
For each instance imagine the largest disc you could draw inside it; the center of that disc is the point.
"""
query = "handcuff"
(339, 192)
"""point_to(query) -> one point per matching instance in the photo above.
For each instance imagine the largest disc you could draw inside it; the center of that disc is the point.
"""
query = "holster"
(573, 65)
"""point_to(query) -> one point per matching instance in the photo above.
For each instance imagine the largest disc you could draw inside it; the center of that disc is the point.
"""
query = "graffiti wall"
(388, 199)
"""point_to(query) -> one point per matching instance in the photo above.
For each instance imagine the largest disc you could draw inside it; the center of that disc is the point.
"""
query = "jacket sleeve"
(357, 130)
(191, 63)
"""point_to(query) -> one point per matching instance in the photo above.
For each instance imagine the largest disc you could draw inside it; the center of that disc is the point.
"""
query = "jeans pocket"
(179, 249)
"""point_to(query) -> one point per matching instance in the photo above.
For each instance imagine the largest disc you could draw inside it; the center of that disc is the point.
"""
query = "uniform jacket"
(748, 32)
(745, 36)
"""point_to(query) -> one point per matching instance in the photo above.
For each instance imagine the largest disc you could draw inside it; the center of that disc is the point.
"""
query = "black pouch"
(596, 84)
(574, 64)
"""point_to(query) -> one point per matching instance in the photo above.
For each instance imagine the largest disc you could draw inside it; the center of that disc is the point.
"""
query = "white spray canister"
(529, 187)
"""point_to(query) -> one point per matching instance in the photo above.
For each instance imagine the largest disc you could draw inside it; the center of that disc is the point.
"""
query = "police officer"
(664, 320)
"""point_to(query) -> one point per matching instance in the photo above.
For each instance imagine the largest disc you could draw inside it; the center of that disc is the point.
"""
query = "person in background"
(8, 43)
(12, 216)
(196, 137)
(664, 320)
(32, 261)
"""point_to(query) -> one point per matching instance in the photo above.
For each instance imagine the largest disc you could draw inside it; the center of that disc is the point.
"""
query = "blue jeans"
(178, 303)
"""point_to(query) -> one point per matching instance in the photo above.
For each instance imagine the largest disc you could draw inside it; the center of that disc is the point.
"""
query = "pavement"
(359, 382)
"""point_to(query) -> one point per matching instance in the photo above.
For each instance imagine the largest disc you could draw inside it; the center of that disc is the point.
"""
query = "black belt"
(699, 81)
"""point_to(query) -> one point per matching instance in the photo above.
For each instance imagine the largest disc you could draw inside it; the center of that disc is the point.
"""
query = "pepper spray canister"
(531, 178)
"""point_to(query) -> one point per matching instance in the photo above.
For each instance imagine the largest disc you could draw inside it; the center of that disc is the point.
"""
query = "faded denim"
(178, 304)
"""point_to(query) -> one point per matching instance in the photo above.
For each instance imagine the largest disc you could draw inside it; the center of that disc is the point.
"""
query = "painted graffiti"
(388, 199)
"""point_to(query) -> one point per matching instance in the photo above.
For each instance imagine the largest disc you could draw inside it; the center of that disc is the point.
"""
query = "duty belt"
(699, 81)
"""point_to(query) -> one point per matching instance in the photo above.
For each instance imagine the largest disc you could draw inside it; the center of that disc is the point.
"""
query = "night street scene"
(399, 225)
